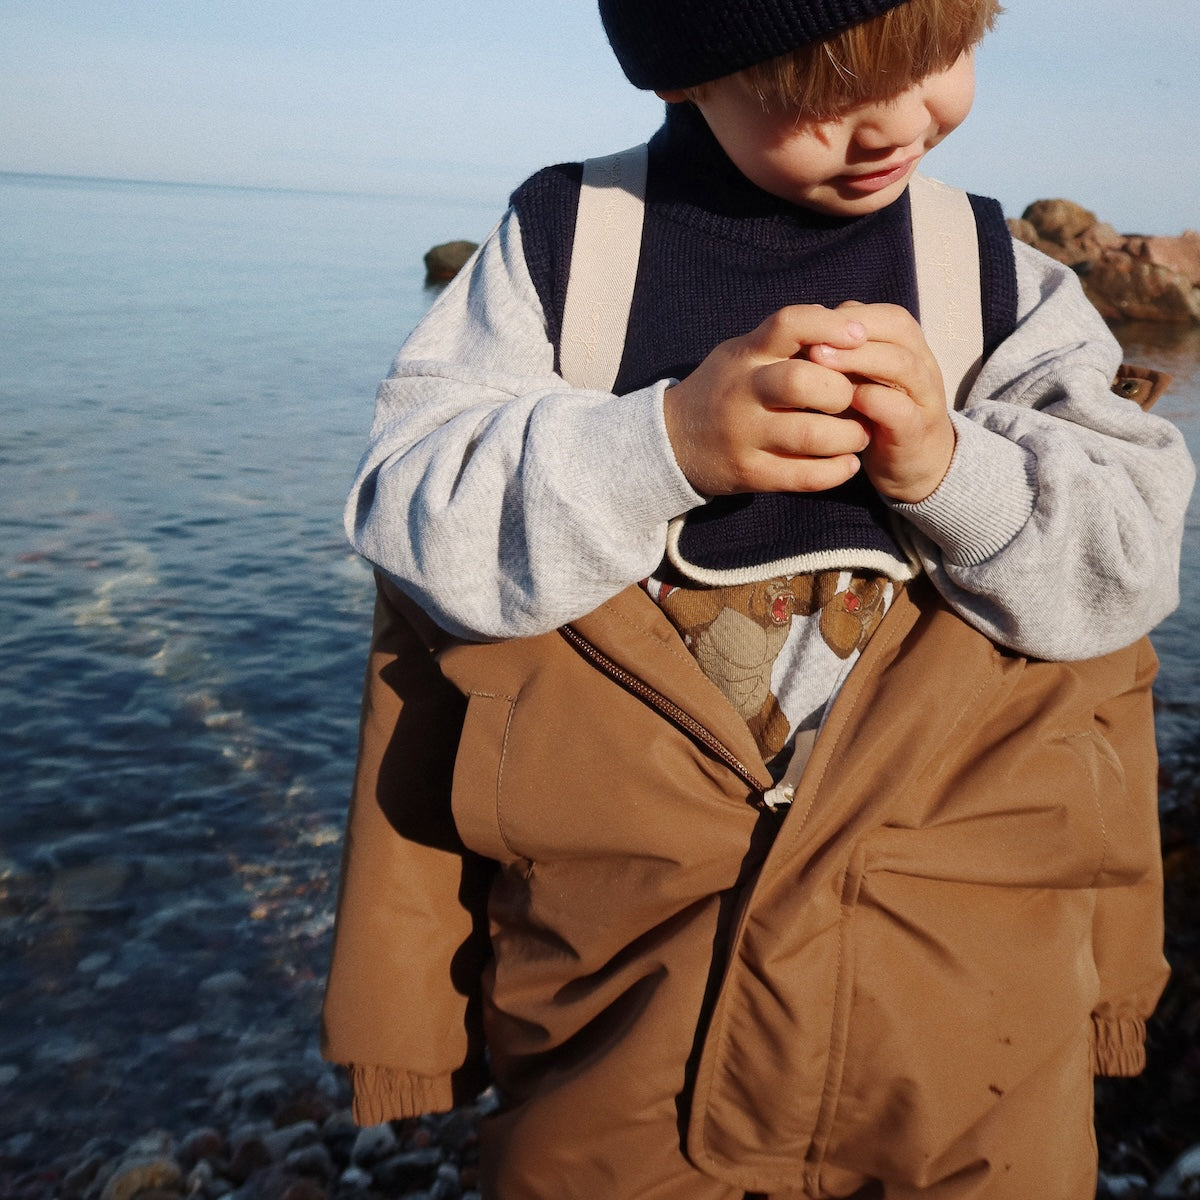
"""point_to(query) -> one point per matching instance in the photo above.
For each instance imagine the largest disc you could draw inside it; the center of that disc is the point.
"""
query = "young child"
(757, 777)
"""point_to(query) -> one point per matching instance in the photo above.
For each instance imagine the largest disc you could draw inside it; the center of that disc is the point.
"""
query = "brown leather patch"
(1142, 385)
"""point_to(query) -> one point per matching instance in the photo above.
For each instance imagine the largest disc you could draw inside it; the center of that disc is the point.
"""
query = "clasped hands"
(809, 398)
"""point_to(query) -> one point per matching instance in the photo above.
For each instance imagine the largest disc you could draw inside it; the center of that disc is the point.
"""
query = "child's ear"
(674, 96)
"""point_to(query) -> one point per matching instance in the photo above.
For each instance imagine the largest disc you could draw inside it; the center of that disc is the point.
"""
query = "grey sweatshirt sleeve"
(1057, 529)
(503, 501)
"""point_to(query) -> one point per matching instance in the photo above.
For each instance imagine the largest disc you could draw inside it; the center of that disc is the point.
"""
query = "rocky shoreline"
(284, 1132)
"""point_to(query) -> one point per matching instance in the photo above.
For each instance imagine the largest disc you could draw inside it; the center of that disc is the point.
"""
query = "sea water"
(186, 382)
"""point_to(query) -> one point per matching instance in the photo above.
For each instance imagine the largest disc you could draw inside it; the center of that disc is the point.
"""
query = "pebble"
(1181, 1178)
(136, 1178)
(1123, 1187)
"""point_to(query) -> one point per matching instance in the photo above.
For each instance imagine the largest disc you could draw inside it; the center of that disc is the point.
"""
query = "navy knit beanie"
(667, 44)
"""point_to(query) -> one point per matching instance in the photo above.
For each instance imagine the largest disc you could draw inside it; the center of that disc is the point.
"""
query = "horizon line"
(392, 194)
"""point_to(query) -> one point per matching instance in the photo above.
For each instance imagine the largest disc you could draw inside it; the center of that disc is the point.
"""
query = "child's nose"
(896, 123)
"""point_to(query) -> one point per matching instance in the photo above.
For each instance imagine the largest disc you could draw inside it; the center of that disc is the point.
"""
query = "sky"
(1093, 100)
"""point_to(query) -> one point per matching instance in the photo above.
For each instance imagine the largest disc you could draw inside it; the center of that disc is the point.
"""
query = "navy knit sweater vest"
(719, 255)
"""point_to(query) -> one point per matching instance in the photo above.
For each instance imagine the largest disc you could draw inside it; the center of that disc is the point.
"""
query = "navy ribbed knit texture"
(665, 44)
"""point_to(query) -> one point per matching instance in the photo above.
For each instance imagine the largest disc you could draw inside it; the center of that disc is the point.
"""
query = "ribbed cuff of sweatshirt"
(985, 500)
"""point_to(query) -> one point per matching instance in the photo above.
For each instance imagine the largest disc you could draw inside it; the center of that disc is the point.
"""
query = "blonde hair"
(872, 61)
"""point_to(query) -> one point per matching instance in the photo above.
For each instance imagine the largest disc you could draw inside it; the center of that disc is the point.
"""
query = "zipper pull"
(779, 797)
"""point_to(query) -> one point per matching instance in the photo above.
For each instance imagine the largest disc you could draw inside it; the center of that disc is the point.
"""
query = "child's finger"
(886, 408)
(893, 365)
(779, 473)
(795, 383)
(788, 331)
(889, 324)
(812, 435)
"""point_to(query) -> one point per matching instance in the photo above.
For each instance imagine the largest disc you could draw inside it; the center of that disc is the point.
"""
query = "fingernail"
(856, 330)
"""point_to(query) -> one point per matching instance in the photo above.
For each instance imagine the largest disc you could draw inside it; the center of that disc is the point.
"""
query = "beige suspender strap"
(946, 248)
(608, 242)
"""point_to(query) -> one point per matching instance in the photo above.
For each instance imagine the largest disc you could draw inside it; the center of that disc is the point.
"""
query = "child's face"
(850, 165)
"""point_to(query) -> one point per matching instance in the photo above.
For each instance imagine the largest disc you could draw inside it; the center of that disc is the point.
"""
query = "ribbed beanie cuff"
(667, 44)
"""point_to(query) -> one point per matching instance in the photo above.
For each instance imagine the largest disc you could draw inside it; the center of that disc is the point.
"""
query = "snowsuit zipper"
(668, 709)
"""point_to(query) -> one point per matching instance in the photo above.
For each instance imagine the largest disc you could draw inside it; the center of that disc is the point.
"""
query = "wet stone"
(1181, 1178)
(353, 1180)
(281, 1142)
(1122, 1187)
(91, 887)
(248, 1155)
(412, 1169)
(203, 1143)
(136, 1178)
(313, 1161)
(373, 1143)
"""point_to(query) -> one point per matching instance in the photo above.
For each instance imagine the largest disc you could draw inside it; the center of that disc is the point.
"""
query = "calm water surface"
(186, 378)
(186, 381)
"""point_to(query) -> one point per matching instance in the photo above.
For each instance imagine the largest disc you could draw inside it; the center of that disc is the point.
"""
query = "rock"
(408, 1171)
(354, 1180)
(313, 1162)
(1124, 288)
(447, 1184)
(373, 1143)
(248, 1155)
(205, 1143)
(1181, 1178)
(1122, 1187)
(79, 1178)
(339, 1133)
(90, 886)
(304, 1189)
(200, 1178)
(1179, 254)
(281, 1142)
(1059, 221)
(135, 1177)
(1127, 277)
(262, 1097)
(223, 983)
(443, 262)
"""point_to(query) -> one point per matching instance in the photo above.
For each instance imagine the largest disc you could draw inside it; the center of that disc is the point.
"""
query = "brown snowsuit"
(900, 987)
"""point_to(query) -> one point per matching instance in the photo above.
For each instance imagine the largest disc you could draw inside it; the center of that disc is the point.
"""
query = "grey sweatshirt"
(506, 502)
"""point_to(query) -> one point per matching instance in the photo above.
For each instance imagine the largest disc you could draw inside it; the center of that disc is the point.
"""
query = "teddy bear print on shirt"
(737, 632)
